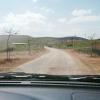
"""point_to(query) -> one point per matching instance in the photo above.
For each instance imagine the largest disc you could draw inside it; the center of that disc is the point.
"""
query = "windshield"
(54, 37)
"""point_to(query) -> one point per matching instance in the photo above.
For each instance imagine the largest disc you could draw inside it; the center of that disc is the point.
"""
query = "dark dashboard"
(22, 86)
(49, 93)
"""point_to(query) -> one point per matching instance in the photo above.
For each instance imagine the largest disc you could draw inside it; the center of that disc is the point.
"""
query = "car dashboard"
(42, 91)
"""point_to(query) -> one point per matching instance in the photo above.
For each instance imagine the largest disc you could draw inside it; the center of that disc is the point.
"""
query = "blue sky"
(56, 18)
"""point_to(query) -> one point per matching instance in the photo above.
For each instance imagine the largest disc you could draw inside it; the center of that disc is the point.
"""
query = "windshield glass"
(55, 37)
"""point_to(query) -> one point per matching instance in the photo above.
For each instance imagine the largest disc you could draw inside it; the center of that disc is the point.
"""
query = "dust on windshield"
(56, 37)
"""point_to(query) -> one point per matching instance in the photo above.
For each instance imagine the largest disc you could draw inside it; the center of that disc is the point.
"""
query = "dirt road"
(55, 62)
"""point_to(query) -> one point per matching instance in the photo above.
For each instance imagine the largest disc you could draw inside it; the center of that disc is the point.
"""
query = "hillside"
(72, 38)
(14, 38)
(38, 42)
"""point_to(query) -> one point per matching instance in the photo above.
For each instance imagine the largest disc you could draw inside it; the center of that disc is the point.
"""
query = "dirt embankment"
(18, 58)
(92, 62)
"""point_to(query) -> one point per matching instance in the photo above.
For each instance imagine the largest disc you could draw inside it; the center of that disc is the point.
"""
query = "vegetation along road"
(55, 61)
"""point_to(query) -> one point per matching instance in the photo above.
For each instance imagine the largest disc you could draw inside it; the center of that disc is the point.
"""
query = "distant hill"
(24, 38)
(73, 38)
(36, 42)
(14, 38)
(53, 40)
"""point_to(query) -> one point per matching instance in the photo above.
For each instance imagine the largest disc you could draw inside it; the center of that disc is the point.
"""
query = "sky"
(52, 18)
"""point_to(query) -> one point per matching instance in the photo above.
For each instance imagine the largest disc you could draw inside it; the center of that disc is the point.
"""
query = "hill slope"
(35, 42)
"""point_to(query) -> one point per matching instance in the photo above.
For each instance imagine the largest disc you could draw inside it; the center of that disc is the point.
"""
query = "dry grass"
(92, 62)
(17, 58)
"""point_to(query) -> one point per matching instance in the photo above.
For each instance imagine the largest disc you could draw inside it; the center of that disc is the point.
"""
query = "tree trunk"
(29, 47)
(8, 49)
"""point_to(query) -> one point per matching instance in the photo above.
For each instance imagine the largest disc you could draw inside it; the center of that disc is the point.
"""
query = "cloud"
(28, 23)
(48, 10)
(81, 12)
(40, 24)
(62, 20)
(34, 1)
(81, 21)
(24, 18)
(84, 19)
(25, 23)
(83, 16)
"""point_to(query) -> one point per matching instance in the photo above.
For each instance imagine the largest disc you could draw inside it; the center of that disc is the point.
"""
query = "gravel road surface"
(56, 62)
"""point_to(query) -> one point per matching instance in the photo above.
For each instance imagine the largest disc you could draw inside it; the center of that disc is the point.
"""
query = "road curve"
(55, 62)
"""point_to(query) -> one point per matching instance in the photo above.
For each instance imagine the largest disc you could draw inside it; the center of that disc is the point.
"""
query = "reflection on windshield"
(50, 37)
